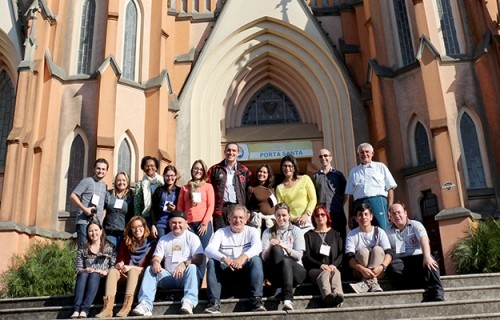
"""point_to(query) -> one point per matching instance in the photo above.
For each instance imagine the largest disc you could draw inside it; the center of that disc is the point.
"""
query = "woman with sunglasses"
(282, 249)
(323, 256)
(135, 253)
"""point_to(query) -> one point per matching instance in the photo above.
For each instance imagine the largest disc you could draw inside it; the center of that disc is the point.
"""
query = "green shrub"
(46, 269)
(479, 251)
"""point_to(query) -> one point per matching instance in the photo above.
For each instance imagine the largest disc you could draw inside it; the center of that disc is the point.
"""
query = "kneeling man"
(183, 253)
(413, 264)
(234, 253)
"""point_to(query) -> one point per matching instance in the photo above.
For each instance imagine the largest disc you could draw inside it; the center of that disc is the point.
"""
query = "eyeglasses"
(137, 227)
(287, 166)
(324, 156)
(198, 169)
(320, 215)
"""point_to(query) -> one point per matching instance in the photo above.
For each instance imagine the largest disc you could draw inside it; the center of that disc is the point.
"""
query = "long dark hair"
(104, 238)
(270, 178)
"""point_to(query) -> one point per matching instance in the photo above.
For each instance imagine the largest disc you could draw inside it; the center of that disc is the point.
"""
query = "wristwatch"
(384, 267)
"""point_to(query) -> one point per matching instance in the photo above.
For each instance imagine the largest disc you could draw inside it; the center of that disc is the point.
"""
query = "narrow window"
(472, 153)
(448, 27)
(75, 170)
(86, 37)
(422, 149)
(404, 32)
(125, 158)
(7, 102)
(130, 42)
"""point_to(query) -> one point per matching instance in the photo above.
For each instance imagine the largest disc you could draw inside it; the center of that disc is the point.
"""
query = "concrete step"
(465, 309)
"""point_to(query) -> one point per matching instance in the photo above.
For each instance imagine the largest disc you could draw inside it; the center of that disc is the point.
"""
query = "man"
(182, 253)
(413, 265)
(230, 181)
(371, 182)
(233, 253)
(89, 196)
(368, 251)
(330, 187)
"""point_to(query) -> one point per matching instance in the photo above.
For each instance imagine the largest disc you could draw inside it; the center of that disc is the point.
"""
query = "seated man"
(413, 264)
(183, 253)
(368, 251)
(234, 252)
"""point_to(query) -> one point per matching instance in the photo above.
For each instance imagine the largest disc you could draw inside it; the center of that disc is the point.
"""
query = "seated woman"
(119, 208)
(92, 264)
(297, 192)
(282, 249)
(135, 253)
(164, 200)
(323, 256)
(261, 199)
(368, 251)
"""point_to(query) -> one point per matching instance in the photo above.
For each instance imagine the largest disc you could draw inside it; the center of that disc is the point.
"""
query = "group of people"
(230, 224)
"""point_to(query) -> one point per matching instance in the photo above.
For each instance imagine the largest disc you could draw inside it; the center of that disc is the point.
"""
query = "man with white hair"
(371, 182)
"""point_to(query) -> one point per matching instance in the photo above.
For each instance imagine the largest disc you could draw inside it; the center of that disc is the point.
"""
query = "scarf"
(194, 186)
(148, 187)
(137, 257)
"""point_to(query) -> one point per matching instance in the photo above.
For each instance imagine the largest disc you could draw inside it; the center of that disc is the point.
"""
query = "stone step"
(307, 302)
(456, 281)
(465, 309)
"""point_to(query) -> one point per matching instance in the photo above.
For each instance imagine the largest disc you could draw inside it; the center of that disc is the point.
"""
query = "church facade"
(177, 79)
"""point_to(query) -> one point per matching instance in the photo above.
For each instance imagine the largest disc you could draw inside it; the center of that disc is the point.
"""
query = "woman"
(297, 192)
(164, 201)
(119, 208)
(323, 256)
(197, 201)
(282, 249)
(92, 264)
(134, 254)
(145, 189)
(261, 198)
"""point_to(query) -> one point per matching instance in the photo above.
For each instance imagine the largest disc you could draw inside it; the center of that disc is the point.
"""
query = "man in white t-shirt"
(234, 252)
(182, 253)
(368, 251)
(413, 265)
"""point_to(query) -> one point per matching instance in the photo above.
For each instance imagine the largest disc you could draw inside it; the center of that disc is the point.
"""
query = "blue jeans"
(81, 234)
(252, 270)
(190, 282)
(162, 231)
(379, 208)
(86, 288)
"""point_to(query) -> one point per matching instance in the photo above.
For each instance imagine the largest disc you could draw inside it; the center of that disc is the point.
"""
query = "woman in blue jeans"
(92, 264)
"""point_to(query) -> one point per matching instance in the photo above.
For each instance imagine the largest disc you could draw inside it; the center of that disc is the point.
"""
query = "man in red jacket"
(230, 181)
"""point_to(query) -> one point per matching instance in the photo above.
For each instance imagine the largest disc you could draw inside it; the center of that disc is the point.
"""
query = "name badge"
(196, 197)
(165, 206)
(273, 199)
(118, 204)
(95, 199)
(324, 250)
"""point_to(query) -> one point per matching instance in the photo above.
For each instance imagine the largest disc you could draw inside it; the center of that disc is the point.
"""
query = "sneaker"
(259, 306)
(142, 310)
(187, 307)
(334, 300)
(360, 287)
(212, 307)
(287, 305)
(374, 286)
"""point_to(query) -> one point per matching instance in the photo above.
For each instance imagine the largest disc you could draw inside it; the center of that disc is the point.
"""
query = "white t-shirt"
(226, 243)
(177, 249)
(407, 242)
(356, 240)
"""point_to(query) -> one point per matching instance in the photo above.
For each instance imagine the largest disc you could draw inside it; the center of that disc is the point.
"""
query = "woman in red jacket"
(135, 253)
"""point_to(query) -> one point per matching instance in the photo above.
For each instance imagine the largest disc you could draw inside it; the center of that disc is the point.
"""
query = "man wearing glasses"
(330, 187)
